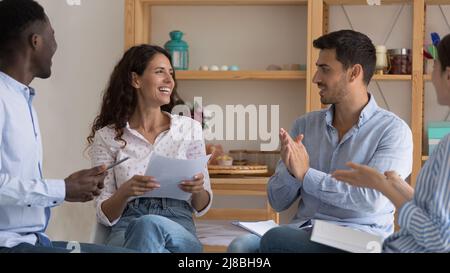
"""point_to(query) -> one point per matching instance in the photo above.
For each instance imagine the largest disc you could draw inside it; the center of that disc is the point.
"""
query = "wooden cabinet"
(250, 186)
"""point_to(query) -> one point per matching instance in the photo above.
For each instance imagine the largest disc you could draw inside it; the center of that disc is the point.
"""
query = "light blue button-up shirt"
(24, 194)
(380, 139)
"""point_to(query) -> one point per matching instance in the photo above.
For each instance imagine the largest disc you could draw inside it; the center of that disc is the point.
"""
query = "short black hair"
(15, 17)
(352, 48)
(444, 52)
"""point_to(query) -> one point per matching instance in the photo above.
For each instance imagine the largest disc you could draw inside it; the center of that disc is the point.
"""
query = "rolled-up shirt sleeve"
(197, 149)
(101, 154)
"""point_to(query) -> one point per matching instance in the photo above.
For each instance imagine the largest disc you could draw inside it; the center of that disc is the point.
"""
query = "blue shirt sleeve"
(284, 189)
(21, 192)
(2, 124)
(394, 152)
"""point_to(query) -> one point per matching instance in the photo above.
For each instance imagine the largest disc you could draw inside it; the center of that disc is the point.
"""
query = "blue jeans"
(156, 225)
(248, 243)
(62, 247)
(284, 239)
(290, 239)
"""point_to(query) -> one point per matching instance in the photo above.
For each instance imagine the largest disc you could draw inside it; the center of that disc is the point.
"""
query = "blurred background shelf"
(240, 75)
(138, 29)
(388, 77)
(233, 170)
(222, 2)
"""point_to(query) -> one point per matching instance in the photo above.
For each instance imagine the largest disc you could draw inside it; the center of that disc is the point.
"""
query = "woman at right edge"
(424, 213)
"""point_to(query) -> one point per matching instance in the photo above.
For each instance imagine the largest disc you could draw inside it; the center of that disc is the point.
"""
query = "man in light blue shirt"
(27, 45)
(354, 129)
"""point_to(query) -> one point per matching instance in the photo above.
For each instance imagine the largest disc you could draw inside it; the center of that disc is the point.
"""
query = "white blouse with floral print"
(184, 140)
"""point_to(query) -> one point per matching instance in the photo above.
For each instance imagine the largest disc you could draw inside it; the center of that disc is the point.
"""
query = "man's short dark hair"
(352, 48)
(15, 17)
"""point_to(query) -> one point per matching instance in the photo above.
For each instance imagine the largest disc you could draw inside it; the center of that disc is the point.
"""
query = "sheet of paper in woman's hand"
(170, 172)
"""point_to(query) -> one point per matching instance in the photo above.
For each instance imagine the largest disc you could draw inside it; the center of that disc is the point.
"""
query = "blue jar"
(179, 50)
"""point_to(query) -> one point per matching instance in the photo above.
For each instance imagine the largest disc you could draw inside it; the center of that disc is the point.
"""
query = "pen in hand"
(117, 163)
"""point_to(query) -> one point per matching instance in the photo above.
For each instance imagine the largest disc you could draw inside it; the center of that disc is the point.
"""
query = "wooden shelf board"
(388, 77)
(425, 158)
(240, 75)
(384, 2)
(364, 2)
(437, 2)
(240, 181)
(427, 77)
(223, 2)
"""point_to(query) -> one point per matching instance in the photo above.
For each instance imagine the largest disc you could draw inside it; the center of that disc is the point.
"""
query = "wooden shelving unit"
(240, 75)
(388, 77)
(363, 2)
(223, 2)
(137, 30)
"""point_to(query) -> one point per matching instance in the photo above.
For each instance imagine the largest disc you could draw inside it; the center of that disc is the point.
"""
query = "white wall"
(90, 39)
(250, 37)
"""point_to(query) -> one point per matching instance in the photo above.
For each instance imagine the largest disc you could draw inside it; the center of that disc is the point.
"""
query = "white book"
(258, 228)
(345, 238)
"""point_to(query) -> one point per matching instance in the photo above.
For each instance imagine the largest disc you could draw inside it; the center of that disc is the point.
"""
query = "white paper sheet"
(170, 172)
(258, 228)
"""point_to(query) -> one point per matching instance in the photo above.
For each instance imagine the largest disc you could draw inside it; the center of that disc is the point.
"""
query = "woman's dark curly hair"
(120, 98)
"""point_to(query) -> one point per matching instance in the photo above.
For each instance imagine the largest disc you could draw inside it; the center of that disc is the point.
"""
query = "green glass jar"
(179, 50)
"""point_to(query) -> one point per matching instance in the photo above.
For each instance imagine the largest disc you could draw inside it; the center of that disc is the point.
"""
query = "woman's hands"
(138, 185)
(193, 186)
(200, 197)
(390, 184)
(361, 176)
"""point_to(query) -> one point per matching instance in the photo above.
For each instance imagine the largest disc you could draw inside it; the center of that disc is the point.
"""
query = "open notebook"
(346, 238)
(258, 228)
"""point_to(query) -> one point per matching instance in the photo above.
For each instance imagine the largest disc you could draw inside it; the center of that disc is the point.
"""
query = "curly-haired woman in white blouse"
(134, 121)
